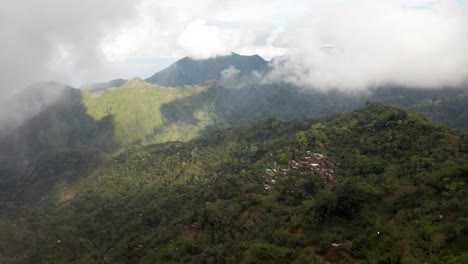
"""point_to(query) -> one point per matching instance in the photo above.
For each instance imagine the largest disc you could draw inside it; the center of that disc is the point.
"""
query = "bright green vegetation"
(138, 113)
(143, 113)
(400, 197)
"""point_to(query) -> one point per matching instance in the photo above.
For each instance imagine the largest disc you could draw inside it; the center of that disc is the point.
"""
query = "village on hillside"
(315, 164)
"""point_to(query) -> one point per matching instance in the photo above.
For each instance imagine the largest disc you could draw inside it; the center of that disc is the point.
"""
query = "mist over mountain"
(59, 123)
(252, 74)
(108, 117)
(136, 133)
(265, 131)
(29, 102)
(115, 115)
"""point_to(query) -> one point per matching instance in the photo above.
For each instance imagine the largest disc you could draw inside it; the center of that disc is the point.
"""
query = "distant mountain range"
(174, 169)
(211, 94)
(140, 113)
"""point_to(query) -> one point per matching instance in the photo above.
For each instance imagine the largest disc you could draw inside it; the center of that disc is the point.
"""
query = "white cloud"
(354, 47)
(374, 42)
(229, 73)
(200, 29)
(53, 39)
(203, 41)
(341, 44)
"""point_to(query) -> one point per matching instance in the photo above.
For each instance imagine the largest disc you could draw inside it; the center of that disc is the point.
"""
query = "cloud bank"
(347, 45)
(202, 41)
(53, 39)
(341, 45)
(352, 47)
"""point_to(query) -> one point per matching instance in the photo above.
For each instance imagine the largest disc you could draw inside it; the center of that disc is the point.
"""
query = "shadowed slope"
(61, 125)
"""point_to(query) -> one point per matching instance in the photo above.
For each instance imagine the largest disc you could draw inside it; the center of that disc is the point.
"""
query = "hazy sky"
(327, 44)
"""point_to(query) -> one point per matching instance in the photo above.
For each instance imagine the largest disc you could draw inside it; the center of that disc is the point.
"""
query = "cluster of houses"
(315, 164)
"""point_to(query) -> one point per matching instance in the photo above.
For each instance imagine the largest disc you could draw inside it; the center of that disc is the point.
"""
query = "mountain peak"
(235, 54)
(134, 81)
(189, 71)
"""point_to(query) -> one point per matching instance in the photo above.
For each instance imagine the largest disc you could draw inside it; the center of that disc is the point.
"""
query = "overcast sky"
(348, 45)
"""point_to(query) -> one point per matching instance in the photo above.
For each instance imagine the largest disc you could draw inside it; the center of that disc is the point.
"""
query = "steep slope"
(188, 71)
(138, 109)
(389, 188)
(141, 113)
(53, 118)
(146, 113)
(446, 106)
(62, 118)
(28, 102)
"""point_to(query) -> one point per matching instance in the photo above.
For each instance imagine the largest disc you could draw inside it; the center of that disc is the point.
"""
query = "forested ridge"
(252, 194)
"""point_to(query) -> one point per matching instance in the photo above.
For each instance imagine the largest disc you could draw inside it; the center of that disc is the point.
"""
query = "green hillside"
(137, 111)
(141, 113)
(144, 113)
(387, 187)
(61, 125)
(446, 106)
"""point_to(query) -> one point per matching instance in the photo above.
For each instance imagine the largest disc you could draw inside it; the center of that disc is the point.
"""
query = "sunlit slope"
(139, 114)
(144, 113)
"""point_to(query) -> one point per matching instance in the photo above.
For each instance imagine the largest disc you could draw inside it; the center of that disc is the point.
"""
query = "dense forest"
(377, 185)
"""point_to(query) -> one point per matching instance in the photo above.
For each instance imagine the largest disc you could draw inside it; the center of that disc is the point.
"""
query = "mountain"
(83, 182)
(188, 71)
(113, 116)
(377, 185)
(140, 113)
(46, 118)
(145, 113)
(448, 106)
(28, 102)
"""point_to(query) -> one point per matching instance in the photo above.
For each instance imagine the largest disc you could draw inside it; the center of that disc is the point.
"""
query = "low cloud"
(229, 73)
(201, 41)
(230, 77)
(346, 45)
(353, 47)
(53, 39)
(88, 40)
(29, 102)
